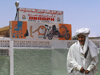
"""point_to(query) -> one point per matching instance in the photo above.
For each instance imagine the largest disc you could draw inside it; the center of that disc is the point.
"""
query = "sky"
(78, 13)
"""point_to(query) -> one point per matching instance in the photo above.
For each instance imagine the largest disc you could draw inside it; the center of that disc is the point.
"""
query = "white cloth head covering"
(84, 31)
(92, 47)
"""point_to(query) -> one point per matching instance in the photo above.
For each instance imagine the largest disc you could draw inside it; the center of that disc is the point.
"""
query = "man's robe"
(76, 60)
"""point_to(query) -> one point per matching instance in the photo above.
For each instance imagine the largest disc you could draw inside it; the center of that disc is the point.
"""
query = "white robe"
(75, 60)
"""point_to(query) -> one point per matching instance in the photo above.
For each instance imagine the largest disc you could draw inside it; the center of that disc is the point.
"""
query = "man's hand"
(82, 70)
(86, 71)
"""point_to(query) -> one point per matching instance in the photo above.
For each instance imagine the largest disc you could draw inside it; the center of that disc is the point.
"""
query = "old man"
(82, 57)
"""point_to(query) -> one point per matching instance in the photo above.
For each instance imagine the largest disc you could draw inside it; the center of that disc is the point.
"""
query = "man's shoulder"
(73, 45)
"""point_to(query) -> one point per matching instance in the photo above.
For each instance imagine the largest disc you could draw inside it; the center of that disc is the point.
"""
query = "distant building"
(94, 38)
(4, 32)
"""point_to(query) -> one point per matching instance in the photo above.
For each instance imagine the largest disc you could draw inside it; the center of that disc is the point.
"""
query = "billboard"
(40, 30)
(18, 29)
(40, 15)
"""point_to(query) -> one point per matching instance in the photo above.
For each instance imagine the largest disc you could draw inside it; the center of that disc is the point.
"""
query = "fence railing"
(7, 46)
(5, 43)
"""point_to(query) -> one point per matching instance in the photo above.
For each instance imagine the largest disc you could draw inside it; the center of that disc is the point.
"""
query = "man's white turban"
(84, 31)
(92, 47)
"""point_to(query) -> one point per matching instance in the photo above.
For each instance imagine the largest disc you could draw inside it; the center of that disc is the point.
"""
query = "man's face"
(81, 39)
